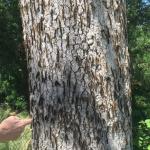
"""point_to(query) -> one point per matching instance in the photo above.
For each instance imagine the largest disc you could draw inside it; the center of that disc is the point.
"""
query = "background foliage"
(139, 46)
(13, 83)
(13, 73)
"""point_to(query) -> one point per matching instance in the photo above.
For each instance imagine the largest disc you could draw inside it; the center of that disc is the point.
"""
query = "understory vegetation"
(13, 72)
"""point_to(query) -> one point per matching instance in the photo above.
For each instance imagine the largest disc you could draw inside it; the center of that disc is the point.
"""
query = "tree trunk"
(79, 76)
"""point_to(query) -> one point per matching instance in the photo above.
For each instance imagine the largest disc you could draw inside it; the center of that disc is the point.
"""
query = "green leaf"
(147, 121)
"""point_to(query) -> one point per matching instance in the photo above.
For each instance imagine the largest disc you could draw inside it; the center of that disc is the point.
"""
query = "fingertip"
(27, 121)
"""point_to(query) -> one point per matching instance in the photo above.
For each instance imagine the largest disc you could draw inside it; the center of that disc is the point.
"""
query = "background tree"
(78, 73)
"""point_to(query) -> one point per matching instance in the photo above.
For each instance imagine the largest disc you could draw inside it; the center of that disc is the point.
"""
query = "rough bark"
(79, 76)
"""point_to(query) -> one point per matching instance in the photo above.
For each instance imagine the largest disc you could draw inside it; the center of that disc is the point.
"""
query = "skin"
(12, 127)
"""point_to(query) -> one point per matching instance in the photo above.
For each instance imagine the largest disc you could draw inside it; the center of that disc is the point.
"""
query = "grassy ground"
(23, 143)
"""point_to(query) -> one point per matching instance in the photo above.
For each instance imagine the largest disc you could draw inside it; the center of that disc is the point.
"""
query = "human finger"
(25, 122)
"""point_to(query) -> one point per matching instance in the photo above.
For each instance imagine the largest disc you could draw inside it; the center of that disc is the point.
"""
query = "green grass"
(24, 141)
